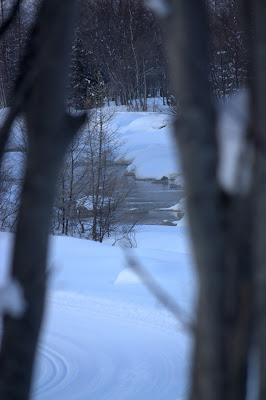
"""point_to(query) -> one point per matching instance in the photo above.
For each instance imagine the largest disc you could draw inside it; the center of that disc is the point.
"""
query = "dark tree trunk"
(220, 223)
(49, 132)
(258, 86)
(186, 36)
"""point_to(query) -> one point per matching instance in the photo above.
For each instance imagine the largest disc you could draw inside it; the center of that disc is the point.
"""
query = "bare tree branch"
(157, 291)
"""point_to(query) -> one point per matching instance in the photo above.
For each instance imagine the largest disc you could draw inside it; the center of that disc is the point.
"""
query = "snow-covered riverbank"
(148, 144)
(147, 147)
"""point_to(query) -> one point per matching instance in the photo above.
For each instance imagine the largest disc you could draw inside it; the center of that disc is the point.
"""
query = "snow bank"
(180, 181)
(180, 206)
(183, 221)
(148, 145)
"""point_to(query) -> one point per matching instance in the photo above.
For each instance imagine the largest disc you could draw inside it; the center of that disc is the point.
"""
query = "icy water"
(147, 198)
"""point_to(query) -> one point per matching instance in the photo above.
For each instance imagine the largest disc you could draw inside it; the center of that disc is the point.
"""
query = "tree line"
(118, 47)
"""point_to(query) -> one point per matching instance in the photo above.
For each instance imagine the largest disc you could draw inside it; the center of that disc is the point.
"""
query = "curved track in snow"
(90, 353)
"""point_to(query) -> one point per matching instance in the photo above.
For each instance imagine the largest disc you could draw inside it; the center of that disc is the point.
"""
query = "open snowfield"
(104, 335)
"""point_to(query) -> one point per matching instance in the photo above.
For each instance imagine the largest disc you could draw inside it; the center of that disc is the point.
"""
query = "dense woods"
(118, 58)
(118, 53)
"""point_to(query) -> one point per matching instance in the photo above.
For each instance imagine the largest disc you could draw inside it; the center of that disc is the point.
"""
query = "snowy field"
(105, 336)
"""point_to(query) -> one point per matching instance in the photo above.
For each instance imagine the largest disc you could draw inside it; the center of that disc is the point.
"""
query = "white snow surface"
(180, 206)
(104, 340)
(180, 181)
(183, 221)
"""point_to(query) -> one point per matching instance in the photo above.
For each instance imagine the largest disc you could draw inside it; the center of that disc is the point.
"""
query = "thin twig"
(158, 292)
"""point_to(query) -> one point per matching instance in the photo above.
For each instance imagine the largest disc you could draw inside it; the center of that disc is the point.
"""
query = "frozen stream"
(148, 197)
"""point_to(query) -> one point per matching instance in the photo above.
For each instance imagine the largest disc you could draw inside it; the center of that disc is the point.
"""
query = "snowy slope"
(104, 335)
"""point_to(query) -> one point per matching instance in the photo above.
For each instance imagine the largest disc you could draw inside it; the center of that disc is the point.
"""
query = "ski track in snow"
(55, 370)
(92, 353)
(106, 341)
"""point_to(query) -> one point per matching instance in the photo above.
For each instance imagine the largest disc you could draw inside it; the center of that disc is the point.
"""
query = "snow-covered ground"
(105, 336)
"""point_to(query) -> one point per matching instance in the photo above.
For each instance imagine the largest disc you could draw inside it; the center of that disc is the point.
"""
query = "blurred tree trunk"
(221, 223)
(257, 11)
(50, 130)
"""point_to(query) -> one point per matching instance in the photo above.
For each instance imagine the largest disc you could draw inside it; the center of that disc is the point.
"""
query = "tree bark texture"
(50, 131)
(220, 223)
(186, 38)
(258, 86)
